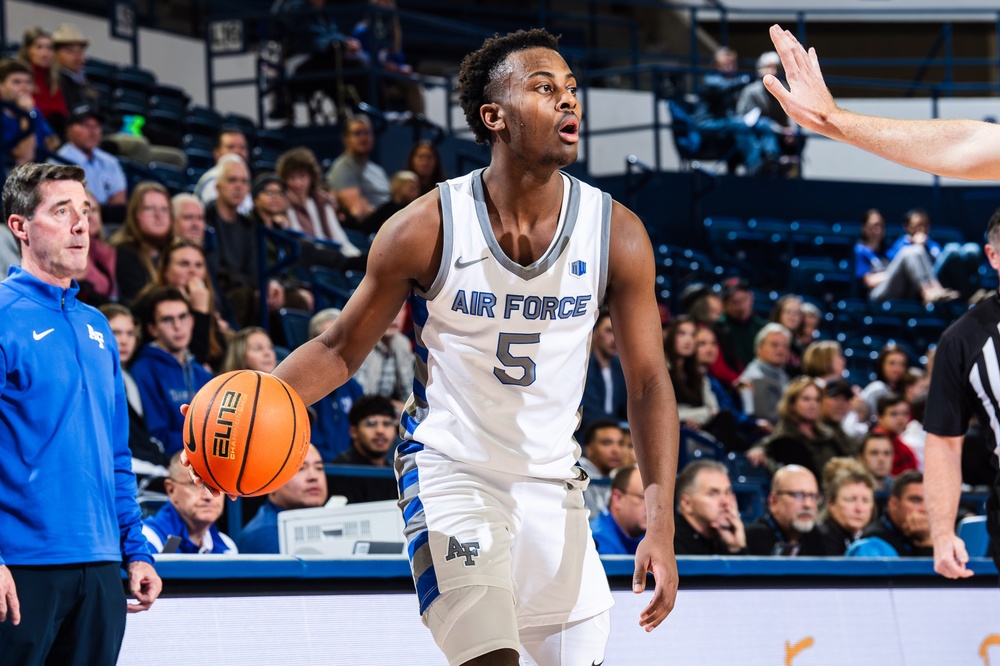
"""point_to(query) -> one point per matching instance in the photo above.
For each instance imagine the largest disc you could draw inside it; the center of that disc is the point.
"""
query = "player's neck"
(520, 192)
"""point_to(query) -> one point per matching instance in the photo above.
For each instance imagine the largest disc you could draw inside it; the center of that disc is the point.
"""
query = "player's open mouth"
(569, 130)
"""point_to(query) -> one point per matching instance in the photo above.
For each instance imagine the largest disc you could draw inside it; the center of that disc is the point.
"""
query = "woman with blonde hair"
(824, 361)
(148, 229)
(800, 438)
(38, 50)
(250, 349)
(850, 504)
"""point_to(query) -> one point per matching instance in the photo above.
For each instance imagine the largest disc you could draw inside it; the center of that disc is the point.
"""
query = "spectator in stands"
(425, 161)
(182, 266)
(604, 394)
(374, 422)
(71, 57)
(801, 438)
(706, 309)
(739, 323)
(331, 430)
(190, 513)
(875, 453)
(708, 520)
(747, 428)
(914, 435)
(381, 40)
(148, 229)
(97, 283)
(788, 527)
(15, 89)
(165, 371)
(148, 457)
(37, 50)
(850, 504)
(250, 349)
(956, 265)
(234, 261)
(105, 176)
(404, 188)
(893, 415)
(838, 398)
(361, 185)
(904, 530)
(603, 451)
(914, 384)
(890, 368)
(764, 380)
(908, 274)
(618, 529)
(311, 211)
(307, 489)
(823, 360)
(809, 330)
(756, 104)
(787, 311)
(388, 369)
(189, 218)
(229, 141)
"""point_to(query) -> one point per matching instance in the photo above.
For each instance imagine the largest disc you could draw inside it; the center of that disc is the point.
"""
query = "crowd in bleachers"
(799, 351)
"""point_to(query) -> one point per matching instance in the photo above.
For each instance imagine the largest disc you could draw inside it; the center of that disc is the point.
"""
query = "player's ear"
(493, 117)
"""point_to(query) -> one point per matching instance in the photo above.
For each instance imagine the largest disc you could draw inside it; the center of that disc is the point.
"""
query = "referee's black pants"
(70, 614)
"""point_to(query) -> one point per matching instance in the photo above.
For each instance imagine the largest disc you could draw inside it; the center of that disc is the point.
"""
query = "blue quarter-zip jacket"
(67, 491)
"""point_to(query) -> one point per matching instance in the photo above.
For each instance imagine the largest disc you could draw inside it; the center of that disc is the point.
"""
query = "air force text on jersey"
(482, 304)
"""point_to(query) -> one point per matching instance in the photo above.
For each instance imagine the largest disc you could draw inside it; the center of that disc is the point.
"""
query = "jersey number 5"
(510, 361)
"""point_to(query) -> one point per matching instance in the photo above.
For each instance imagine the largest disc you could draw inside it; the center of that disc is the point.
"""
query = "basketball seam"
(249, 437)
(204, 448)
(291, 446)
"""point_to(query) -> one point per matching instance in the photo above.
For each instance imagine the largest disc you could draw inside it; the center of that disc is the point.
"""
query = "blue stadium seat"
(821, 277)
(972, 530)
(295, 326)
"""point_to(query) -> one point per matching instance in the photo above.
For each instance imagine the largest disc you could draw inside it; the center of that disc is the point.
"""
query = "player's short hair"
(907, 478)
(598, 424)
(481, 71)
(370, 405)
(688, 478)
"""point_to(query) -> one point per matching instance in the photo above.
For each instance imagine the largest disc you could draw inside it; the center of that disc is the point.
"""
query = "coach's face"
(55, 240)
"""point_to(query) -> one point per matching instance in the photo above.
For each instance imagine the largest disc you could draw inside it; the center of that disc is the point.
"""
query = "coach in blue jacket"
(69, 519)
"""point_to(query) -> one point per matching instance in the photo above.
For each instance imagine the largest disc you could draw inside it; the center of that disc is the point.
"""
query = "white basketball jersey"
(503, 349)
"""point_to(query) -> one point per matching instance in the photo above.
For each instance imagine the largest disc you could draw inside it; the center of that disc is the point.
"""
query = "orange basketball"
(246, 433)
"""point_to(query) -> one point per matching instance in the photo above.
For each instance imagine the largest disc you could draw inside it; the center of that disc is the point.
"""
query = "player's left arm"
(652, 408)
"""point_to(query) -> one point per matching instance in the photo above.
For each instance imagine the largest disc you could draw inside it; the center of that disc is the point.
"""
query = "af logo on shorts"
(467, 550)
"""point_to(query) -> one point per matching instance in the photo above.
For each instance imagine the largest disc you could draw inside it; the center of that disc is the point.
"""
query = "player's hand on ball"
(197, 480)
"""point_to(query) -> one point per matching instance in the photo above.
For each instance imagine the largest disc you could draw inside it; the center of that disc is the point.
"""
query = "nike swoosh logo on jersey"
(38, 336)
(459, 264)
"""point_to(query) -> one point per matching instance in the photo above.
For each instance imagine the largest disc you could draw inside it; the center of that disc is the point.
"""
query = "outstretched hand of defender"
(655, 555)
(197, 480)
(807, 101)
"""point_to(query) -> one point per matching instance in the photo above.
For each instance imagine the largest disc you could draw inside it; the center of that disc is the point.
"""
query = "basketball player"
(508, 267)
(964, 381)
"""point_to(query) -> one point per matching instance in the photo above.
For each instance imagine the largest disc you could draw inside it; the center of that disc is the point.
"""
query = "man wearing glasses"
(374, 422)
(619, 528)
(166, 371)
(788, 527)
(190, 515)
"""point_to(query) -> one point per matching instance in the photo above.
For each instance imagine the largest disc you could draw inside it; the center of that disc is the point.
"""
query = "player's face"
(154, 216)
(877, 457)
(607, 449)
(712, 498)
(172, 326)
(895, 418)
(186, 264)
(307, 488)
(124, 330)
(57, 237)
(260, 354)
(807, 404)
(790, 512)
(540, 107)
(707, 348)
(773, 349)
(374, 435)
(194, 503)
(190, 223)
(852, 507)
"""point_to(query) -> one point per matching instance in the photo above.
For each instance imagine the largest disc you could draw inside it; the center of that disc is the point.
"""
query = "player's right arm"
(954, 148)
(405, 252)
(943, 486)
